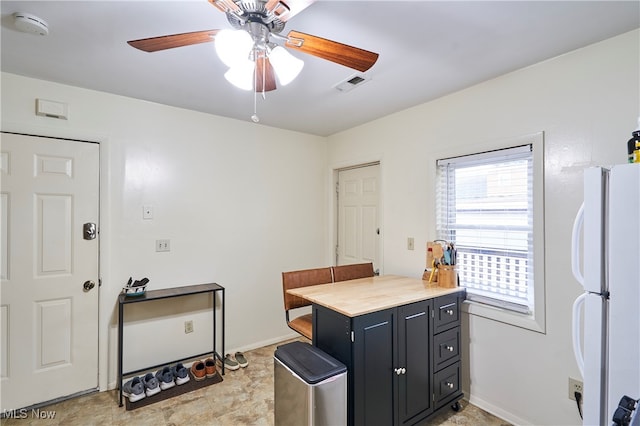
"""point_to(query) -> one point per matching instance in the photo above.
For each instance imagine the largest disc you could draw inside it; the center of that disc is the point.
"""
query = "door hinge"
(353, 337)
(337, 251)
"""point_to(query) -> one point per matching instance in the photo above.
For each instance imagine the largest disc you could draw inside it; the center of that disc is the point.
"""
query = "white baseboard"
(498, 411)
(263, 343)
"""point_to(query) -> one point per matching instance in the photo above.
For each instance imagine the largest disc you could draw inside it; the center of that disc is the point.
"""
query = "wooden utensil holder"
(447, 276)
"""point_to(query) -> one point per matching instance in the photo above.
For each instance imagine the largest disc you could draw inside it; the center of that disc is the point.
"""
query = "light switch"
(147, 211)
(410, 243)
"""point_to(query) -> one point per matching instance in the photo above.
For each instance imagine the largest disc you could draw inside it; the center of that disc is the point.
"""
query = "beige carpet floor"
(244, 397)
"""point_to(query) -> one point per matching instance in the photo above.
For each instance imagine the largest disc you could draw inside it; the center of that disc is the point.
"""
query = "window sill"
(529, 322)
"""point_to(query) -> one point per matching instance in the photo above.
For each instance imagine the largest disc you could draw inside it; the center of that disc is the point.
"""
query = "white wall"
(238, 201)
(242, 202)
(587, 103)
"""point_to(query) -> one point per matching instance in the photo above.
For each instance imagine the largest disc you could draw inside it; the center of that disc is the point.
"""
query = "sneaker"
(229, 363)
(210, 367)
(242, 361)
(165, 378)
(198, 370)
(150, 383)
(133, 389)
(180, 374)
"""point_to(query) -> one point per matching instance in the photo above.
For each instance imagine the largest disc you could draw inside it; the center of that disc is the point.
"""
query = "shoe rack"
(205, 289)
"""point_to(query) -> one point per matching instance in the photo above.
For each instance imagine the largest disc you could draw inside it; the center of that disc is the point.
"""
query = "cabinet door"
(373, 376)
(414, 396)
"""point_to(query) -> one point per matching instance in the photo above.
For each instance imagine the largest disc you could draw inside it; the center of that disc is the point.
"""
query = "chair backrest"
(352, 272)
(304, 278)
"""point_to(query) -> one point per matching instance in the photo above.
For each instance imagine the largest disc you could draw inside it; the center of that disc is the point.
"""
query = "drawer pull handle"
(449, 348)
(449, 312)
(449, 385)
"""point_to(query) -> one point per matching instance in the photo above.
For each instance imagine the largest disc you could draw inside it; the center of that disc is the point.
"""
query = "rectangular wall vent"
(351, 82)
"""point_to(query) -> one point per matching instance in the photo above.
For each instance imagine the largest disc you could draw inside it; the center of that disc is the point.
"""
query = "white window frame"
(535, 320)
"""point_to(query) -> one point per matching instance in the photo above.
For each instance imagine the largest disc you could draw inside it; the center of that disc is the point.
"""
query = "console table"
(166, 294)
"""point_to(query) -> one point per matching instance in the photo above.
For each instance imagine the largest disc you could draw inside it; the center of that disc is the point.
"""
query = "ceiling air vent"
(352, 82)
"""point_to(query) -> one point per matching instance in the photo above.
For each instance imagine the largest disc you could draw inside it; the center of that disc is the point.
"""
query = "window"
(485, 205)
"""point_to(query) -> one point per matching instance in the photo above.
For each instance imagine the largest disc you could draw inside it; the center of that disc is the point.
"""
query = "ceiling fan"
(261, 56)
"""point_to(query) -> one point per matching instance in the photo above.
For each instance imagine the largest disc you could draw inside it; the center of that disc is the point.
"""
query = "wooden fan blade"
(153, 44)
(349, 56)
(287, 9)
(225, 5)
(265, 77)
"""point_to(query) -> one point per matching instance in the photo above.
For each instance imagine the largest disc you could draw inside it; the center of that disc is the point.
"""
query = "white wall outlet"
(575, 386)
(163, 245)
(410, 243)
(188, 327)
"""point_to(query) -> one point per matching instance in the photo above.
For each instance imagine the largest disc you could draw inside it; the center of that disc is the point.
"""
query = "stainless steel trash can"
(310, 387)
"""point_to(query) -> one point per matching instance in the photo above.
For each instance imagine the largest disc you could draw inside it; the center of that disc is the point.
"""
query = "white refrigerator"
(606, 317)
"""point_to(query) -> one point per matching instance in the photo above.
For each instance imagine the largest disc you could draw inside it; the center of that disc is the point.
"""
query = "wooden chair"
(296, 279)
(352, 272)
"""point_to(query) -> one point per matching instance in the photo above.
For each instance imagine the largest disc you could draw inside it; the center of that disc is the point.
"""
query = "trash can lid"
(310, 363)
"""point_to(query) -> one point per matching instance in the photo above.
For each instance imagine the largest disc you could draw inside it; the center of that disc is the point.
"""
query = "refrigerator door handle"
(575, 245)
(575, 332)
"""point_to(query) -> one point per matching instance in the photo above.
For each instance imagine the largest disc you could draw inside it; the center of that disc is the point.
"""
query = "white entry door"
(49, 317)
(358, 221)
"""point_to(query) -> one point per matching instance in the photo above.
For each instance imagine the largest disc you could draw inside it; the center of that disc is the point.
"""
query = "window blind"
(484, 204)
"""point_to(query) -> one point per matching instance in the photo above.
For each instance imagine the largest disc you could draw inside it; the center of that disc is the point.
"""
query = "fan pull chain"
(255, 117)
(264, 73)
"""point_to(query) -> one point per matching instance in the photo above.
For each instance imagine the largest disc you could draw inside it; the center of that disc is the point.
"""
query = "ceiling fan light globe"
(286, 66)
(233, 46)
(241, 75)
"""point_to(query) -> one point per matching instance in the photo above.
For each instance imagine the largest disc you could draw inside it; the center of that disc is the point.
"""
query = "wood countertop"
(365, 295)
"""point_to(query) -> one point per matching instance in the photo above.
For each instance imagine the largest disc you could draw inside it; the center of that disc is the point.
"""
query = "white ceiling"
(427, 49)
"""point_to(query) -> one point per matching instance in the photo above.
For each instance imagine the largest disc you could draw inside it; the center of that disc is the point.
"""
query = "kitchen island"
(400, 340)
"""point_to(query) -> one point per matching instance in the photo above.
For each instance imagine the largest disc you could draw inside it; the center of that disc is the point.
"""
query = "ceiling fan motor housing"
(254, 12)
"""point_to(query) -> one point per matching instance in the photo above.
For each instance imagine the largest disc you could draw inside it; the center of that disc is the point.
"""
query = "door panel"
(414, 389)
(358, 217)
(49, 323)
(373, 369)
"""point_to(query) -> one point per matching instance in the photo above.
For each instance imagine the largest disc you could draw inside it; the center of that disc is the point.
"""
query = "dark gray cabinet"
(403, 362)
(446, 351)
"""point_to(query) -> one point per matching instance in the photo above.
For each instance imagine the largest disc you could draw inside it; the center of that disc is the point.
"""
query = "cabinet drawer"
(446, 383)
(446, 348)
(447, 312)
